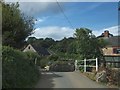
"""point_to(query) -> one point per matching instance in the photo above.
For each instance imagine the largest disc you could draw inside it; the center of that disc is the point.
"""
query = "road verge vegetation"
(109, 76)
(18, 70)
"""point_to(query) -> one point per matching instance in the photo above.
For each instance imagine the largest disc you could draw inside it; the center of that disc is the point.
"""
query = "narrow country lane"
(66, 80)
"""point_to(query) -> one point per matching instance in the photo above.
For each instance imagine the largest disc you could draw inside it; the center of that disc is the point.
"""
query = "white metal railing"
(85, 64)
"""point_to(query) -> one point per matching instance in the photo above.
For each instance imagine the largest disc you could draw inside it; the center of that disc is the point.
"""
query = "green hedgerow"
(18, 72)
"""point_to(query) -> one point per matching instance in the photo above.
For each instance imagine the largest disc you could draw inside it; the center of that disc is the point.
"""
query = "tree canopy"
(46, 43)
(87, 43)
(15, 25)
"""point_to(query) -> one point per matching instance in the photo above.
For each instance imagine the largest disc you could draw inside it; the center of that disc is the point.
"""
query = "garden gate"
(85, 65)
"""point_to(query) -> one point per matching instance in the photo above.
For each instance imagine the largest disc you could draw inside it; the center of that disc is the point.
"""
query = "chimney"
(106, 33)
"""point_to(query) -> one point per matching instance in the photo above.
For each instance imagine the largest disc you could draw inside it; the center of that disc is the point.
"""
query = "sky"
(59, 20)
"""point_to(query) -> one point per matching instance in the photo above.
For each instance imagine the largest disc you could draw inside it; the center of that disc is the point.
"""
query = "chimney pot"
(106, 33)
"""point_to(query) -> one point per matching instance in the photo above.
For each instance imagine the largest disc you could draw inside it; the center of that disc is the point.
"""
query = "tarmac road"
(66, 80)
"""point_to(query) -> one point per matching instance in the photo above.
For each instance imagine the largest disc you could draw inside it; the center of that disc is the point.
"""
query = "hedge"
(32, 56)
(17, 70)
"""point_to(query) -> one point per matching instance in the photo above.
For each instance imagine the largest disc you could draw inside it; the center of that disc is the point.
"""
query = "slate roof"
(112, 41)
(41, 50)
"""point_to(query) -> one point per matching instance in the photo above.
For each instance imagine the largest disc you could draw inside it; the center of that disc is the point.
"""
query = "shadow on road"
(47, 80)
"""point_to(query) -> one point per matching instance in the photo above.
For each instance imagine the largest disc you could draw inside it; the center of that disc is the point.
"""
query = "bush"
(81, 69)
(48, 60)
(43, 62)
(32, 57)
(18, 70)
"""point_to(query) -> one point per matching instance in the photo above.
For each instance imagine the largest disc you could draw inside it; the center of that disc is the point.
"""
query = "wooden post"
(96, 64)
(84, 65)
(35, 61)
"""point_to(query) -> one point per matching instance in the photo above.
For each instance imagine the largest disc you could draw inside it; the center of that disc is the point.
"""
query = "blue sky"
(51, 22)
(95, 15)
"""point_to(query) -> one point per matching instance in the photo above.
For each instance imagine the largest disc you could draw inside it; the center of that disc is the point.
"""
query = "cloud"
(113, 30)
(54, 32)
(59, 33)
(39, 20)
(38, 8)
(33, 8)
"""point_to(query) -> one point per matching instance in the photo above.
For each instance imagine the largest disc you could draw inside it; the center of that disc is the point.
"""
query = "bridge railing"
(85, 64)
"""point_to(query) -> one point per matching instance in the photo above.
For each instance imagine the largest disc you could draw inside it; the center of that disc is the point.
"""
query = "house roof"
(41, 50)
(113, 41)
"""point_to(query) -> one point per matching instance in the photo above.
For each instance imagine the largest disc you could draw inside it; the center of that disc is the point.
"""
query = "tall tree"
(15, 25)
(87, 43)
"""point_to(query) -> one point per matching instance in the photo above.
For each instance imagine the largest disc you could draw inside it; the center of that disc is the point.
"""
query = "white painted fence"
(85, 64)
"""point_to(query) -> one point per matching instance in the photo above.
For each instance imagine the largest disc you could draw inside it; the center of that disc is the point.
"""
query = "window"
(29, 47)
(116, 50)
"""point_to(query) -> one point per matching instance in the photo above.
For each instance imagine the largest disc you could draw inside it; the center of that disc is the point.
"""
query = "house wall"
(29, 48)
(109, 51)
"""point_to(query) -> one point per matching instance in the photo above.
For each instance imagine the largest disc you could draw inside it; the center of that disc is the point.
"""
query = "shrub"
(18, 70)
(43, 62)
(81, 69)
(32, 57)
(48, 60)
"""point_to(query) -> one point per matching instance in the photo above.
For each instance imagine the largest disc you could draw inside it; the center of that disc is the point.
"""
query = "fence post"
(76, 65)
(85, 65)
(96, 64)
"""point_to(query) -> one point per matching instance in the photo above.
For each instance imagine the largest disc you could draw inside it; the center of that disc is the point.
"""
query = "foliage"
(72, 47)
(53, 57)
(48, 60)
(33, 56)
(103, 43)
(83, 45)
(46, 43)
(87, 44)
(43, 62)
(63, 45)
(15, 25)
(18, 70)
(65, 48)
(81, 69)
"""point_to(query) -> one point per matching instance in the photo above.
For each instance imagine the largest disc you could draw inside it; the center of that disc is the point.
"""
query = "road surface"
(66, 80)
